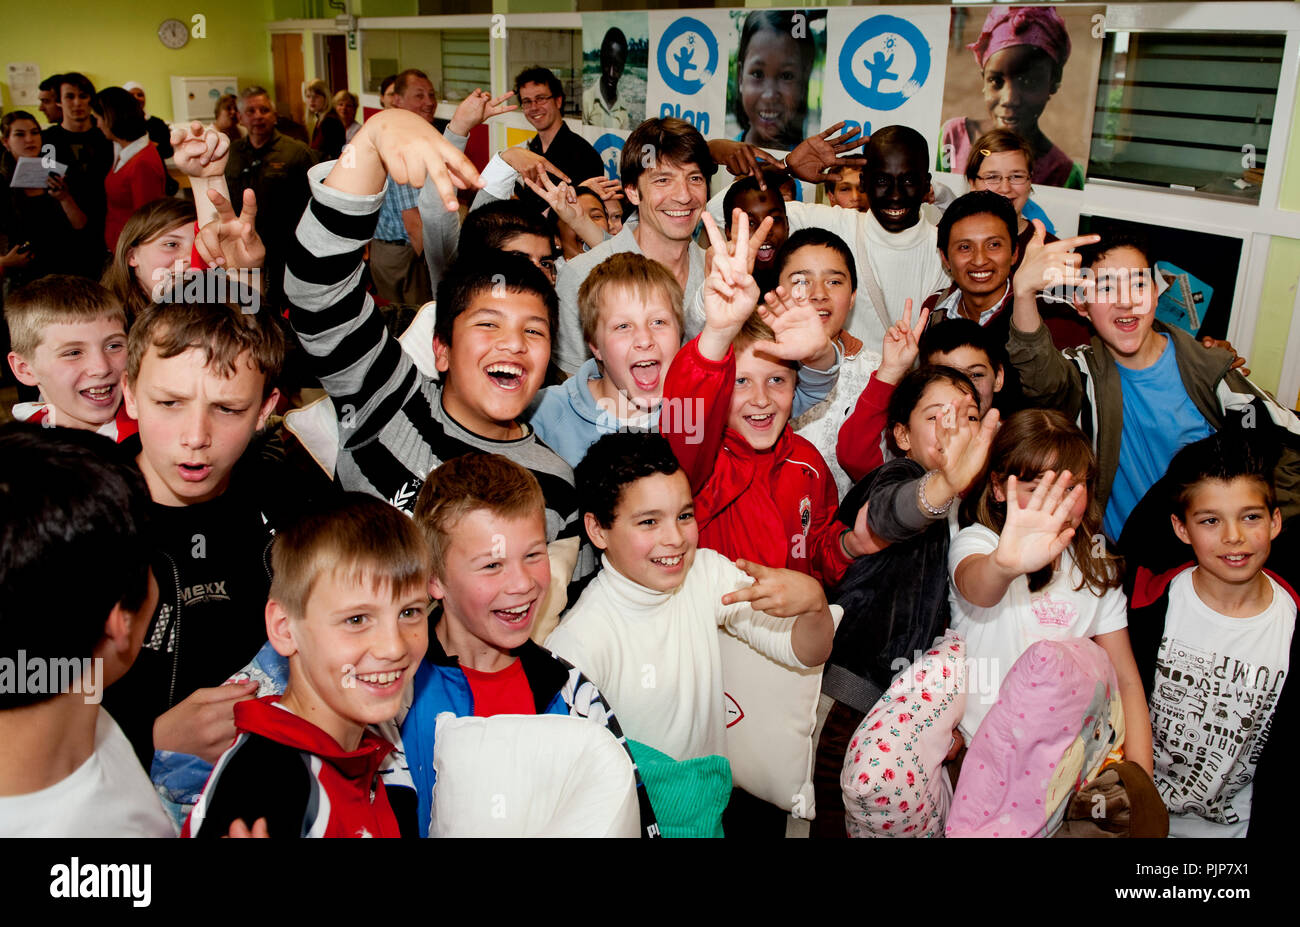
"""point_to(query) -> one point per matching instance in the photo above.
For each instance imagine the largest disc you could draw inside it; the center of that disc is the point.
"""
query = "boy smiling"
(69, 338)
(348, 610)
(1150, 389)
(492, 337)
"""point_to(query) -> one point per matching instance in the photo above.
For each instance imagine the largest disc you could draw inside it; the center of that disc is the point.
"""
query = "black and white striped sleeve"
(360, 365)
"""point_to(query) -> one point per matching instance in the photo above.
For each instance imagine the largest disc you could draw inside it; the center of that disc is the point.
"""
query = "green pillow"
(688, 796)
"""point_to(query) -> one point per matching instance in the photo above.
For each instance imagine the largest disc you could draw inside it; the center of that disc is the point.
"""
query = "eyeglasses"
(1016, 179)
(535, 101)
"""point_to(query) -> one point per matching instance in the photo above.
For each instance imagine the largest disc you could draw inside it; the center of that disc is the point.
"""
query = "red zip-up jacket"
(774, 507)
(287, 770)
(859, 446)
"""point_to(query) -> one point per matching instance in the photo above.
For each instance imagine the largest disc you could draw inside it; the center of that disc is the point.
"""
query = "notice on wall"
(24, 83)
(688, 67)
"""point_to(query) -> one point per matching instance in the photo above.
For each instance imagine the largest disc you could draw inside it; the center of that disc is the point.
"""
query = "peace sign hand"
(901, 346)
(730, 291)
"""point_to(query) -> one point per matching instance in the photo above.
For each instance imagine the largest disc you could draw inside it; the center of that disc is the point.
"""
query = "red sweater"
(141, 180)
(858, 449)
(774, 507)
(289, 771)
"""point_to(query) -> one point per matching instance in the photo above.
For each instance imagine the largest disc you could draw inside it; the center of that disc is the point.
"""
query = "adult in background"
(50, 107)
(158, 130)
(89, 156)
(323, 124)
(137, 176)
(397, 263)
(275, 168)
(226, 117)
(346, 105)
(541, 97)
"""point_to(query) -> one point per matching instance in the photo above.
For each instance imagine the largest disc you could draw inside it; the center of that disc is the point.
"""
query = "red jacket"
(774, 507)
(287, 770)
(858, 449)
(141, 180)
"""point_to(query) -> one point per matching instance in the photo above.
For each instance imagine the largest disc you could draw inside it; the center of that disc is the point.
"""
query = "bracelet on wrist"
(924, 503)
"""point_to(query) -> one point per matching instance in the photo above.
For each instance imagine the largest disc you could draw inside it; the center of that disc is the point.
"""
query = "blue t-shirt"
(1159, 420)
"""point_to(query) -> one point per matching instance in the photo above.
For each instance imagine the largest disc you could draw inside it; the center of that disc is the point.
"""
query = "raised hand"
(200, 151)
(1050, 265)
(730, 292)
(782, 593)
(603, 187)
(531, 164)
(562, 199)
(401, 145)
(743, 159)
(478, 108)
(1037, 534)
(963, 439)
(232, 241)
(818, 158)
(797, 329)
(901, 346)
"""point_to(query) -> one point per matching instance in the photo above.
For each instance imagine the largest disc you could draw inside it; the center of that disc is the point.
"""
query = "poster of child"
(774, 94)
(615, 48)
(1034, 72)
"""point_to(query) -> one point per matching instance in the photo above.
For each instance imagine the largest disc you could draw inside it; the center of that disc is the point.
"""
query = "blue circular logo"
(878, 65)
(685, 74)
(610, 149)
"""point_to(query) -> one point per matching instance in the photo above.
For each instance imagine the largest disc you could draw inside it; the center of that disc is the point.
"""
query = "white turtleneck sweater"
(906, 264)
(655, 655)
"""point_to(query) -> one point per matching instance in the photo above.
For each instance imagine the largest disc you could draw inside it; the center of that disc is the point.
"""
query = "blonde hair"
(52, 300)
(754, 330)
(345, 95)
(466, 484)
(146, 224)
(360, 540)
(639, 276)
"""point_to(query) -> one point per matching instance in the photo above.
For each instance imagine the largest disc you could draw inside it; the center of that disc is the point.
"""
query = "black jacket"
(896, 601)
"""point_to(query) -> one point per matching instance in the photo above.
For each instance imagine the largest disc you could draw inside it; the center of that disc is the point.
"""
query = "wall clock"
(173, 33)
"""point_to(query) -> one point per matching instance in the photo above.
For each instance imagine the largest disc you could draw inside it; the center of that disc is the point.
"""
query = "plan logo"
(694, 55)
(610, 149)
(884, 62)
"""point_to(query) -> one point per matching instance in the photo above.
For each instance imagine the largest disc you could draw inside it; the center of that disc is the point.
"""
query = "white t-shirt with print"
(996, 637)
(1217, 683)
(109, 795)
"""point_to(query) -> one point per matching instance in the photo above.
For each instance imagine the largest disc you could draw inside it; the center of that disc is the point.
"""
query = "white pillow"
(531, 776)
(771, 713)
(417, 340)
(316, 426)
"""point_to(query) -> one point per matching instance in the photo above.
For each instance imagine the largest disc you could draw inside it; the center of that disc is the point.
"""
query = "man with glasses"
(541, 97)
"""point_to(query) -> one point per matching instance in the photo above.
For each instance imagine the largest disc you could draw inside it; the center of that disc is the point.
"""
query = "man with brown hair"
(665, 170)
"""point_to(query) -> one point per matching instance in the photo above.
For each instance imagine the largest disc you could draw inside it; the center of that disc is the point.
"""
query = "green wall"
(112, 43)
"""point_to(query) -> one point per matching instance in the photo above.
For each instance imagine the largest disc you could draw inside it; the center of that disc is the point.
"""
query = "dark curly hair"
(615, 461)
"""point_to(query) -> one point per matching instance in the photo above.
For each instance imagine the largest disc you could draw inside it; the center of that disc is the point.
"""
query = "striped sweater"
(393, 427)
